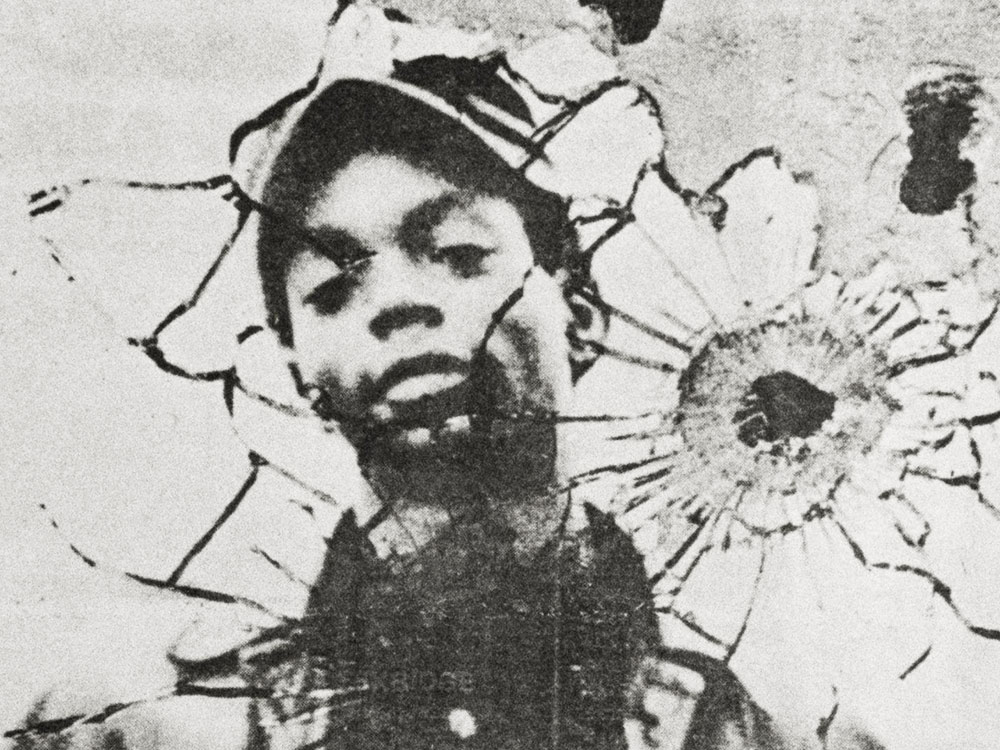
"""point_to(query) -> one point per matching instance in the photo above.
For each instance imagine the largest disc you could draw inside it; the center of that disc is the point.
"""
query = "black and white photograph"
(540, 375)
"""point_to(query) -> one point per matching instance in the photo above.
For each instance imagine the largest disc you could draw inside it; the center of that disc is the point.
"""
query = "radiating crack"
(256, 462)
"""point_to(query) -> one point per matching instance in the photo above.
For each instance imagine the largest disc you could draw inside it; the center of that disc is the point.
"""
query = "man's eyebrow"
(420, 221)
(336, 244)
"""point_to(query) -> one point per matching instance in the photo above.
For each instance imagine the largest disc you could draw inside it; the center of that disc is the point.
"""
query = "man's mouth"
(424, 390)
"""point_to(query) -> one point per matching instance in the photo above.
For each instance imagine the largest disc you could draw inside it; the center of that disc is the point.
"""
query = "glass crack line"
(193, 592)
(227, 512)
(647, 328)
(938, 587)
(916, 663)
(731, 651)
(279, 566)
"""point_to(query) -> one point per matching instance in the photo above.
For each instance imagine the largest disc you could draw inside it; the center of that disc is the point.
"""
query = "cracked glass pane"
(526, 444)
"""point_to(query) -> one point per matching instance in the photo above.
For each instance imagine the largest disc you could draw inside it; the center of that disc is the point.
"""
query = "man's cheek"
(310, 347)
(324, 353)
(529, 344)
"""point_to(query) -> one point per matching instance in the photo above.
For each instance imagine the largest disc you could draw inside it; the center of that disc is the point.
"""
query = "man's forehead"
(373, 189)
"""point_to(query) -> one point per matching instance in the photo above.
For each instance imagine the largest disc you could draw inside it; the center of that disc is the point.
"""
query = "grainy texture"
(888, 110)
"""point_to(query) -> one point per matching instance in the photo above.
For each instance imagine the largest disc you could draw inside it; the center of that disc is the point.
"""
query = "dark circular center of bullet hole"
(940, 113)
(782, 405)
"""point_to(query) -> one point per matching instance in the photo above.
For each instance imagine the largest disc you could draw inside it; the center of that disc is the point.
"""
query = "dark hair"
(354, 117)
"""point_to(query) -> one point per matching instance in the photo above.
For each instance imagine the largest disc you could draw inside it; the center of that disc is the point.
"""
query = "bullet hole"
(782, 405)
(941, 114)
(633, 20)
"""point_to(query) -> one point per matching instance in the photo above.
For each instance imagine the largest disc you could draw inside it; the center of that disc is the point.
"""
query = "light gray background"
(152, 89)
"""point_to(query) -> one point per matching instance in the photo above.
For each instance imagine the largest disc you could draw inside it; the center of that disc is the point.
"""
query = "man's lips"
(419, 386)
(422, 390)
(402, 380)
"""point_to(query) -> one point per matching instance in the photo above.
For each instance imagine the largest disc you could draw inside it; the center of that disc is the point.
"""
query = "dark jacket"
(462, 646)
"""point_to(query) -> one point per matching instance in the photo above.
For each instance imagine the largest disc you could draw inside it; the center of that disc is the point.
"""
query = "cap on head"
(549, 124)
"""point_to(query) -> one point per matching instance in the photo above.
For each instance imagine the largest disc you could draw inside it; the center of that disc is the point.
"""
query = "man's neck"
(514, 488)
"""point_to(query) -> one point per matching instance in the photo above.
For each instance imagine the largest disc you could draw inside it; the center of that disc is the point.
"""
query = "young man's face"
(399, 342)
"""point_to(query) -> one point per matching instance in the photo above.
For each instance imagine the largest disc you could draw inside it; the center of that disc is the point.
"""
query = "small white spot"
(462, 723)
(381, 413)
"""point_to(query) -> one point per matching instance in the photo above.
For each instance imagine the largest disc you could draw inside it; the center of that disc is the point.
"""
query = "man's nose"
(403, 294)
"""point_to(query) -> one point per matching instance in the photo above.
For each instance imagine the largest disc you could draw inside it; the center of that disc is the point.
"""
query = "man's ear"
(587, 330)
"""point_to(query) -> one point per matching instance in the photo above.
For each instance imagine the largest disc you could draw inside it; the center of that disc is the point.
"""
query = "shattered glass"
(844, 528)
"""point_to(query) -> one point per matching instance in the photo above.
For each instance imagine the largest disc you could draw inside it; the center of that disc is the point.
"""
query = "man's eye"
(465, 260)
(332, 295)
